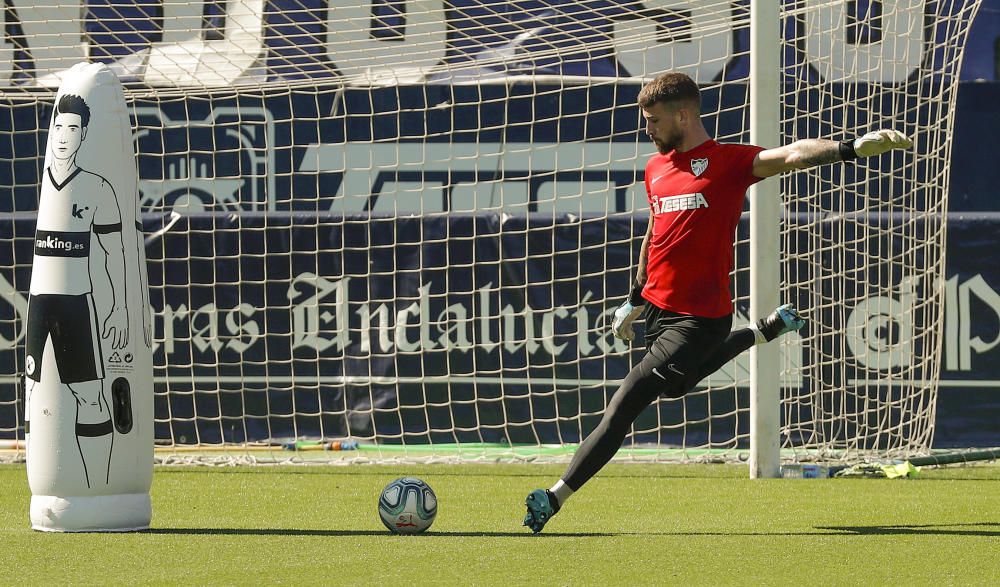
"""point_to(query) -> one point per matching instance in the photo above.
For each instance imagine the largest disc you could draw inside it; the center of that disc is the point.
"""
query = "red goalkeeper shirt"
(696, 199)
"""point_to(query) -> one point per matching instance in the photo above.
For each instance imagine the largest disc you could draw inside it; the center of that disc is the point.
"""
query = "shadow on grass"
(971, 529)
(988, 529)
(431, 534)
(318, 532)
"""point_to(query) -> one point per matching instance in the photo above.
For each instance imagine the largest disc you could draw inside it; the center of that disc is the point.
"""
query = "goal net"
(406, 223)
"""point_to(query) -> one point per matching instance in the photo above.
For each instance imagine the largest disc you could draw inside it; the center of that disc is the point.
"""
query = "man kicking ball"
(696, 188)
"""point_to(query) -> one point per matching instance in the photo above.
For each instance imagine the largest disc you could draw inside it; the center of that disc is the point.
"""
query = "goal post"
(406, 223)
(765, 213)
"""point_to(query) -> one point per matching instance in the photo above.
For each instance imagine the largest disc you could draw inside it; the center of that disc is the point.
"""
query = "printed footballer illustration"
(74, 203)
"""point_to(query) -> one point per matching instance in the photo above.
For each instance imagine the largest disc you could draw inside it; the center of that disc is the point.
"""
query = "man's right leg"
(637, 391)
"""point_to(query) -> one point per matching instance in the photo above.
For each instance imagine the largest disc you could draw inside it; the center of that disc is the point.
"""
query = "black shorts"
(682, 344)
(70, 322)
(659, 320)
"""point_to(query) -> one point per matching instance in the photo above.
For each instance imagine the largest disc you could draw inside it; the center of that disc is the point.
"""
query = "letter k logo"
(77, 211)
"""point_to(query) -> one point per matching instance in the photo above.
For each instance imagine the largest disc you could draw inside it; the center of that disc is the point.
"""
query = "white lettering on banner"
(181, 18)
(883, 44)
(384, 342)
(19, 303)
(483, 165)
(54, 32)
(170, 315)
(509, 333)
(484, 318)
(455, 318)
(307, 319)
(421, 311)
(194, 61)
(879, 331)
(548, 331)
(697, 46)
(959, 340)
(582, 326)
(355, 50)
(891, 51)
(6, 50)
(606, 342)
(194, 180)
(206, 336)
(240, 327)
(321, 325)
(202, 327)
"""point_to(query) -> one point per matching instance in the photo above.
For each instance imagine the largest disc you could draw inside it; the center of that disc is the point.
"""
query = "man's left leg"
(782, 320)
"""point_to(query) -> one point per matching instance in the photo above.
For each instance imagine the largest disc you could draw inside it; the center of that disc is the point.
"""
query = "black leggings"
(681, 351)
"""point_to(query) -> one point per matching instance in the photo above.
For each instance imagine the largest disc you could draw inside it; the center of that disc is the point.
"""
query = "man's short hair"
(670, 88)
(73, 104)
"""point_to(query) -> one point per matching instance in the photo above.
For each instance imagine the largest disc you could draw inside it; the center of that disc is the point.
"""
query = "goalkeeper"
(696, 188)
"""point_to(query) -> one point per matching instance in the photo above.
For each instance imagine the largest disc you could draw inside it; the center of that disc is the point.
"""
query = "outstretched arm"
(807, 153)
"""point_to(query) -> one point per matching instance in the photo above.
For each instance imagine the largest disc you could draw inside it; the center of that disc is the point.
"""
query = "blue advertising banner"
(361, 250)
(344, 321)
(315, 183)
(386, 149)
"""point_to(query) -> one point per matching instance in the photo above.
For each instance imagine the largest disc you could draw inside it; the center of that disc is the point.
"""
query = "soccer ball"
(407, 506)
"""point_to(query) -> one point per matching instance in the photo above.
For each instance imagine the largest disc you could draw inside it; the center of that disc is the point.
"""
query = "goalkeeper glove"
(874, 143)
(621, 326)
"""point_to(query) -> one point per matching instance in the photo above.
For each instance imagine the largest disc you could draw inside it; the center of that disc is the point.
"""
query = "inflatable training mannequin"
(88, 352)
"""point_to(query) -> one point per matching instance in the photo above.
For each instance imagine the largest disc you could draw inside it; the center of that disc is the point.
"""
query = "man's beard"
(668, 144)
(664, 147)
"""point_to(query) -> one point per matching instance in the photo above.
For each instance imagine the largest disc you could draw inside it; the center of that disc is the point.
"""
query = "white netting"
(407, 223)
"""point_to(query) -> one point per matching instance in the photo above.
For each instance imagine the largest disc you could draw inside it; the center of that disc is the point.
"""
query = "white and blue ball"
(407, 506)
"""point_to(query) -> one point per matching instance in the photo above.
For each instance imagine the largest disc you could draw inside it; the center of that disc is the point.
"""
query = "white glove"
(621, 326)
(880, 141)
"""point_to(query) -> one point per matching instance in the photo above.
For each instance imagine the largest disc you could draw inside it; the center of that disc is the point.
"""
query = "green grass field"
(632, 525)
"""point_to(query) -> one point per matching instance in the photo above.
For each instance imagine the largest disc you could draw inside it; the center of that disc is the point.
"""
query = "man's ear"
(683, 115)
(689, 113)
(83, 134)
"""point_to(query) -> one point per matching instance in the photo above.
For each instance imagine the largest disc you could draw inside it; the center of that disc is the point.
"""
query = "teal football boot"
(542, 505)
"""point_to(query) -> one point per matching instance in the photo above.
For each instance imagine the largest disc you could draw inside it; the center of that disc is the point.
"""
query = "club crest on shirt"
(698, 166)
